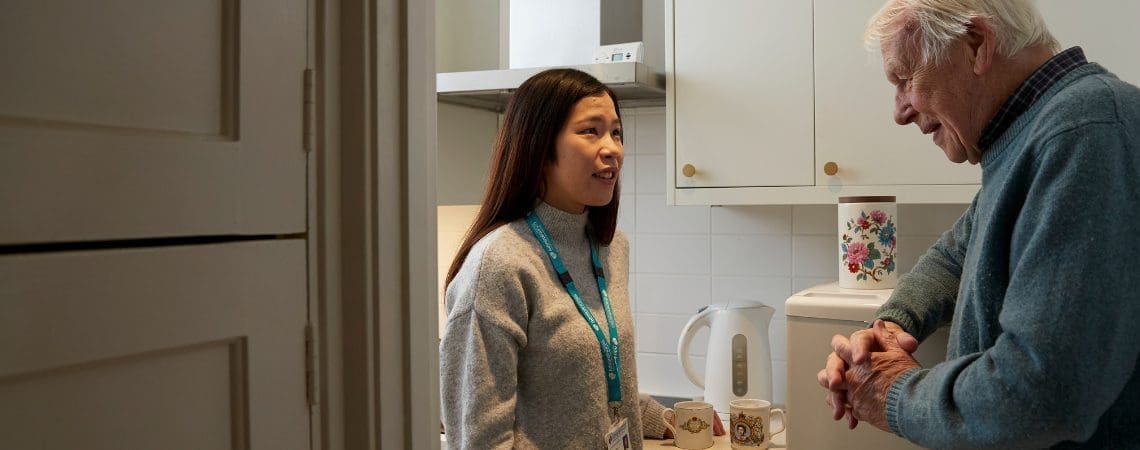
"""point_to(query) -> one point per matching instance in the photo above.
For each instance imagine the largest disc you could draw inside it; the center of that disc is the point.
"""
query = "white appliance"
(629, 51)
(738, 363)
(602, 38)
(814, 316)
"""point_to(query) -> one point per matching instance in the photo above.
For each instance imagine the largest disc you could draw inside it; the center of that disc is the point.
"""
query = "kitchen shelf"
(635, 84)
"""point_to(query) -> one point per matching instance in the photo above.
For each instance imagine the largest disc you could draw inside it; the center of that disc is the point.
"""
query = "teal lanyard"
(610, 350)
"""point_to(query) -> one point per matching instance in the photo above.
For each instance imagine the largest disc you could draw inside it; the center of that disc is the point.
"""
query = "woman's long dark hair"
(535, 115)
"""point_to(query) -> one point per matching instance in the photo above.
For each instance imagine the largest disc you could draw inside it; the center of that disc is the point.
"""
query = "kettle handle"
(695, 324)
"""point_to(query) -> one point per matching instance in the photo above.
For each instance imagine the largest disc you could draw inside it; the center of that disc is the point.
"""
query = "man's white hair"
(931, 26)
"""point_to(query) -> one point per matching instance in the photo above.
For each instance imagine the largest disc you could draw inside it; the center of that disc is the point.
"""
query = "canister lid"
(868, 199)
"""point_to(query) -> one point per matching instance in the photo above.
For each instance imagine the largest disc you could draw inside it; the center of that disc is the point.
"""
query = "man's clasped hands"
(861, 369)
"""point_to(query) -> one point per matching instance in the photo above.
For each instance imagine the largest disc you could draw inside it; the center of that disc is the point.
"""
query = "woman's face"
(588, 157)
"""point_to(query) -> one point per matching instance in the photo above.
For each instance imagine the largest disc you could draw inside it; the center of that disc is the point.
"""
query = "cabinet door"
(854, 112)
(743, 94)
(187, 347)
(126, 119)
(1105, 29)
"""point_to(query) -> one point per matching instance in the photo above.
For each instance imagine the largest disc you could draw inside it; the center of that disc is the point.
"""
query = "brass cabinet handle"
(688, 170)
(831, 168)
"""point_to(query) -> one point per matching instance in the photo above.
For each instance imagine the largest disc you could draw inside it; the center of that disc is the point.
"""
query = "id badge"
(617, 438)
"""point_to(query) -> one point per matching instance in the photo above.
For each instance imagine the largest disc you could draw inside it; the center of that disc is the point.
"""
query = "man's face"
(940, 99)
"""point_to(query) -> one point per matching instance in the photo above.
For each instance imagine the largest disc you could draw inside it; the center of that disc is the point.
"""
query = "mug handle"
(669, 423)
(783, 421)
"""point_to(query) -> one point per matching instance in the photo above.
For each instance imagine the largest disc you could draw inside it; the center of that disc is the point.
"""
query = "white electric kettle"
(738, 363)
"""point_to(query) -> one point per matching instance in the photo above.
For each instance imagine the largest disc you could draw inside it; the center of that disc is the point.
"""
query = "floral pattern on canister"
(868, 245)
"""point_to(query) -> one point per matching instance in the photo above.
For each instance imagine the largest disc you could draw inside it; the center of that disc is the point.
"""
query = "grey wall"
(653, 33)
(465, 137)
(621, 21)
(467, 38)
(466, 35)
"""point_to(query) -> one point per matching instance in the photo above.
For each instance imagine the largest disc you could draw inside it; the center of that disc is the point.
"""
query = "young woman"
(538, 349)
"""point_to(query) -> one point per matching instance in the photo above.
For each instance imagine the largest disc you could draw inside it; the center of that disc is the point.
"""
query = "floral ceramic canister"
(868, 231)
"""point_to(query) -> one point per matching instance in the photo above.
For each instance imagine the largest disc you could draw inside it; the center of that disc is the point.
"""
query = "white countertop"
(719, 442)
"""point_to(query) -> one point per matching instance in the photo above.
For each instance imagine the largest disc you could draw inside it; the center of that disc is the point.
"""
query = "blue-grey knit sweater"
(1041, 279)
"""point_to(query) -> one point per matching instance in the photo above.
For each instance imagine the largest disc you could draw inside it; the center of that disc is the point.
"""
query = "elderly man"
(1037, 279)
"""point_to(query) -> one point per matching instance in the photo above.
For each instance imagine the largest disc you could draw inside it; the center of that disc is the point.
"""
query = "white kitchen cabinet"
(720, 108)
(744, 120)
(740, 96)
(854, 114)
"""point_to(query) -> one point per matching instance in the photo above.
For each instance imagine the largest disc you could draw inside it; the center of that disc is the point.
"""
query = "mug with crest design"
(691, 424)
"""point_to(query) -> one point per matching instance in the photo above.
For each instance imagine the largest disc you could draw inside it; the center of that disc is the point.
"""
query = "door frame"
(372, 226)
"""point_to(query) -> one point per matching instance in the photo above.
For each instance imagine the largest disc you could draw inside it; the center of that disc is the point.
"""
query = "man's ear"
(983, 44)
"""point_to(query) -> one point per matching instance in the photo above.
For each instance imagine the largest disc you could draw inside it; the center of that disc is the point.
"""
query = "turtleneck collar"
(561, 224)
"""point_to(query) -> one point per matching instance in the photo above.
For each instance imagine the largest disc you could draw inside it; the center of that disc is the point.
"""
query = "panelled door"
(197, 347)
(127, 120)
(124, 119)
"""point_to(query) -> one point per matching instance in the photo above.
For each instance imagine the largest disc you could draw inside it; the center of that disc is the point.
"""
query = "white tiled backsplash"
(686, 257)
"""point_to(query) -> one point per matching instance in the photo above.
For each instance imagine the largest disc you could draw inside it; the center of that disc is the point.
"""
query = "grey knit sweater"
(519, 365)
(1040, 278)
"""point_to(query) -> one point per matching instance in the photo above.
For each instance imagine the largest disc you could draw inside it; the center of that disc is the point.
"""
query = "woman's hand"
(718, 426)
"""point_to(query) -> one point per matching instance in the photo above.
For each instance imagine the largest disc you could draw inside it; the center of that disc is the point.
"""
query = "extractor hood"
(635, 84)
(544, 34)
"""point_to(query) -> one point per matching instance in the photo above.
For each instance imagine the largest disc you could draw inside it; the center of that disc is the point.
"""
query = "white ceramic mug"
(868, 231)
(750, 423)
(694, 424)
